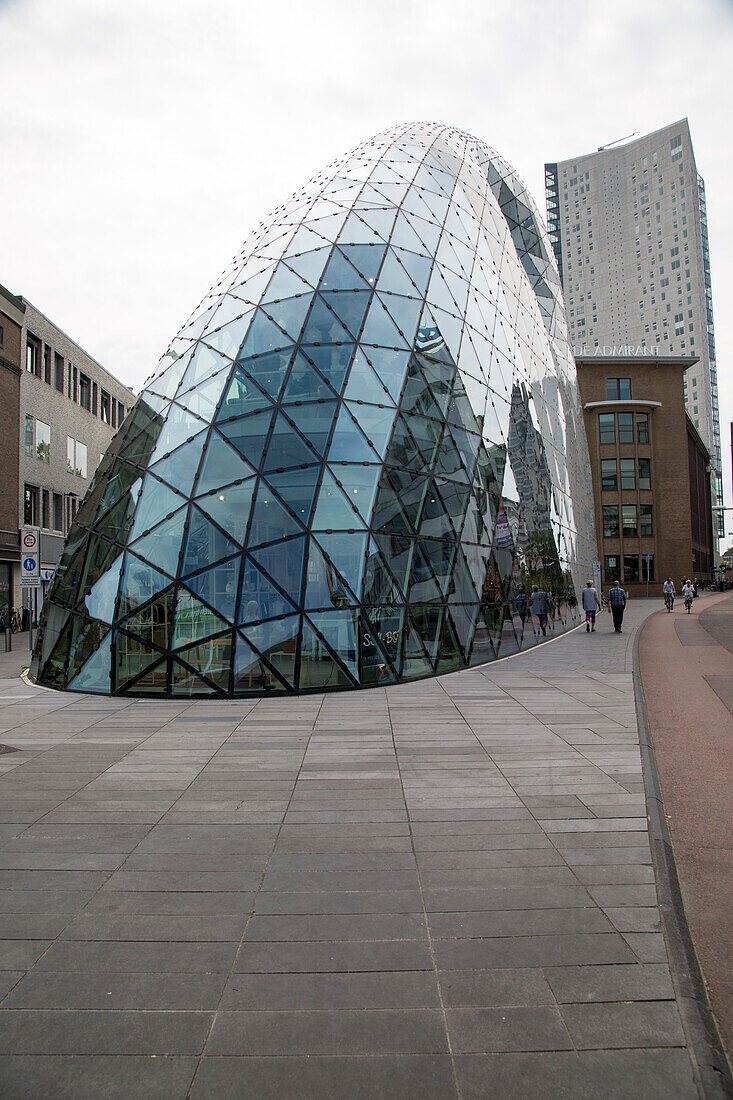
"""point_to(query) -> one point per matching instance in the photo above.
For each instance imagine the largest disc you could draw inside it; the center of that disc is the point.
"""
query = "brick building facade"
(12, 310)
(651, 471)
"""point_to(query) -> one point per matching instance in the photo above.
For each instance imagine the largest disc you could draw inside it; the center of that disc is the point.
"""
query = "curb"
(710, 1065)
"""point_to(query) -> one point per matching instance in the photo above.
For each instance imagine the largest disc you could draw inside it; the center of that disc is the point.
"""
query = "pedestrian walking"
(616, 604)
(591, 604)
(540, 606)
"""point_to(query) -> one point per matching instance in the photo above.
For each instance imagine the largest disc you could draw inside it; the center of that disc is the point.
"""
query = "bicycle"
(688, 604)
(668, 601)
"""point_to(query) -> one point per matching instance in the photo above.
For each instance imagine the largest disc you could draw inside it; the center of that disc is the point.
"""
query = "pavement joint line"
(710, 1063)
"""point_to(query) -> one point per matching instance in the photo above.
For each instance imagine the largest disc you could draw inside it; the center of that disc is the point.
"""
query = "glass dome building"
(354, 461)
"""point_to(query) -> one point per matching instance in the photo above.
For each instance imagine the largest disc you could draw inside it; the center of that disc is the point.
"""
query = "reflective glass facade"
(354, 461)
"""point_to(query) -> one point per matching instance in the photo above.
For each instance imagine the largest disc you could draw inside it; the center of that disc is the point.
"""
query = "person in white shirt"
(688, 594)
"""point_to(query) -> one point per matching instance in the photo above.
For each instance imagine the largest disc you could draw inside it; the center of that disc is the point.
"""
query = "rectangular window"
(81, 459)
(43, 441)
(94, 398)
(610, 568)
(646, 529)
(610, 521)
(645, 473)
(58, 366)
(33, 354)
(618, 389)
(58, 512)
(627, 473)
(626, 427)
(606, 429)
(628, 521)
(631, 569)
(70, 454)
(609, 475)
(104, 408)
(30, 506)
(642, 427)
(76, 457)
(47, 364)
(29, 436)
(85, 392)
(45, 508)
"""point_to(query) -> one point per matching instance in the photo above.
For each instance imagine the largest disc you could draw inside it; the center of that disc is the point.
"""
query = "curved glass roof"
(354, 461)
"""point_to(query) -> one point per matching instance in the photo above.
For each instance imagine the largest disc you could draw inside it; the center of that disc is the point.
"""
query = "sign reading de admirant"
(582, 351)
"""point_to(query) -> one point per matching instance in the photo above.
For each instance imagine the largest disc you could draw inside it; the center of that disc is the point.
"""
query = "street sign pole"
(30, 569)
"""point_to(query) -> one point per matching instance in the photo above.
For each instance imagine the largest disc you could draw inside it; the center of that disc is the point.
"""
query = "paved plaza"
(441, 889)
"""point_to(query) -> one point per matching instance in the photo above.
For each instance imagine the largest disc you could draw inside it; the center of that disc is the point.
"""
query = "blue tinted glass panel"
(333, 509)
(290, 313)
(287, 447)
(179, 470)
(297, 489)
(250, 674)
(193, 620)
(347, 552)
(348, 443)
(95, 674)
(264, 336)
(324, 327)
(205, 543)
(230, 508)
(283, 562)
(140, 582)
(269, 371)
(218, 586)
(163, 545)
(221, 466)
(359, 483)
(332, 362)
(242, 396)
(339, 631)
(270, 519)
(248, 435)
(314, 420)
(305, 383)
(325, 587)
(260, 599)
(349, 306)
(318, 668)
(380, 329)
(100, 602)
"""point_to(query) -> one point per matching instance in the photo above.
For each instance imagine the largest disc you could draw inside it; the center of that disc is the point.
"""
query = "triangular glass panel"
(134, 660)
(187, 683)
(221, 465)
(304, 240)
(318, 668)
(227, 339)
(359, 484)
(324, 327)
(347, 552)
(115, 524)
(270, 519)
(194, 620)
(162, 546)
(391, 368)
(339, 628)
(248, 435)
(268, 371)
(375, 423)
(180, 426)
(348, 274)
(289, 314)
(395, 279)
(205, 363)
(156, 501)
(417, 267)
(349, 306)
(380, 587)
(140, 582)
(242, 397)
(348, 443)
(305, 383)
(95, 675)
(363, 384)
(334, 511)
(251, 674)
(356, 231)
(325, 587)
(151, 623)
(332, 361)
(179, 469)
(263, 337)
(405, 237)
(86, 636)
(205, 544)
(211, 659)
(309, 265)
(218, 586)
(283, 284)
(260, 598)
(53, 668)
(203, 399)
(404, 312)
(283, 562)
(276, 640)
(286, 447)
(100, 602)
(230, 507)
(297, 489)
(314, 420)
(380, 329)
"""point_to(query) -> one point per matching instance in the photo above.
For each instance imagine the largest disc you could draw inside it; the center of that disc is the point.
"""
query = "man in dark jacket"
(616, 603)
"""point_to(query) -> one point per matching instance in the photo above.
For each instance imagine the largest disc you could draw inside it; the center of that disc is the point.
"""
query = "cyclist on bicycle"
(669, 591)
(688, 592)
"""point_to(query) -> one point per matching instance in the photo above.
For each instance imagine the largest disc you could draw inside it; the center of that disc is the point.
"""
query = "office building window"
(58, 365)
(609, 475)
(94, 398)
(611, 568)
(646, 529)
(645, 474)
(631, 569)
(610, 521)
(29, 435)
(606, 428)
(627, 472)
(30, 505)
(85, 392)
(33, 354)
(642, 427)
(626, 427)
(76, 457)
(628, 521)
(45, 508)
(47, 364)
(58, 512)
(104, 407)
(43, 441)
(618, 389)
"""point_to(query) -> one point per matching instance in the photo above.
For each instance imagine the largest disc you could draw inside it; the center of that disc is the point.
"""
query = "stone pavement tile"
(332, 992)
(52, 881)
(179, 881)
(113, 991)
(484, 842)
(354, 901)
(385, 1031)
(579, 857)
(621, 896)
(634, 919)
(355, 861)
(651, 1024)
(172, 902)
(89, 1078)
(330, 881)
(549, 950)
(36, 926)
(362, 926)
(45, 1031)
(55, 861)
(503, 897)
(615, 1075)
(194, 863)
(21, 954)
(535, 922)
(628, 874)
(350, 956)
(649, 947)
(635, 982)
(497, 1030)
(60, 902)
(9, 978)
(389, 1077)
(138, 957)
(494, 988)
(166, 928)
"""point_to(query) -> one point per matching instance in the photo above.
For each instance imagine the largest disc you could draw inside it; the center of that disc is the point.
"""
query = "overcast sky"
(141, 140)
